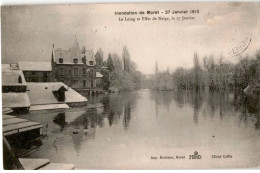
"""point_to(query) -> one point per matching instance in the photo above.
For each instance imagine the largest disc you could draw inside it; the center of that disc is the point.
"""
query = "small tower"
(53, 64)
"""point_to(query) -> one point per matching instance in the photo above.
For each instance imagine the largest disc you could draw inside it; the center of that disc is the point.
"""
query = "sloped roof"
(35, 66)
(90, 57)
(6, 66)
(99, 75)
(74, 52)
(49, 106)
(42, 93)
(67, 56)
(13, 125)
(104, 67)
(11, 77)
(15, 100)
(72, 96)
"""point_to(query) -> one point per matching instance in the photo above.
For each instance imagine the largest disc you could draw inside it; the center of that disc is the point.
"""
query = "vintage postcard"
(131, 86)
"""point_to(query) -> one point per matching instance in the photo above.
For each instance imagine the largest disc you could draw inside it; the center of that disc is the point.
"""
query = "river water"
(132, 130)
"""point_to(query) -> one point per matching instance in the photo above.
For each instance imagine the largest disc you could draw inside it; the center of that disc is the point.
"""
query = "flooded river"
(132, 130)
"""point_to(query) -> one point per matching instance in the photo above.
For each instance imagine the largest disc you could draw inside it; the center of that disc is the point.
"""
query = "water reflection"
(60, 120)
(209, 103)
(140, 122)
(127, 116)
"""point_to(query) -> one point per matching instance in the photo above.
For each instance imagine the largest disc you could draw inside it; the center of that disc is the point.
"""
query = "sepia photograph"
(131, 86)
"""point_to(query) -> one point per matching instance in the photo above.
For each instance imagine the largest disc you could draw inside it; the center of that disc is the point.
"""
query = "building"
(99, 77)
(14, 89)
(53, 95)
(36, 71)
(74, 67)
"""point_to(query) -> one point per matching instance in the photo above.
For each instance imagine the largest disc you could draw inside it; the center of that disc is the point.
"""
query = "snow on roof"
(72, 96)
(35, 66)
(42, 93)
(6, 66)
(13, 125)
(15, 100)
(11, 77)
(99, 75)
(67, 56)
(90, 57)
(74, 52)
(48, 107)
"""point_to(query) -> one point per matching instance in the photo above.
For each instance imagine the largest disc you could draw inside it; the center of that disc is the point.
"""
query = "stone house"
(74, 68)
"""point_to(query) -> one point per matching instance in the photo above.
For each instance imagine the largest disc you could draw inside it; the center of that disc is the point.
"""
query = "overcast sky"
(28, 32)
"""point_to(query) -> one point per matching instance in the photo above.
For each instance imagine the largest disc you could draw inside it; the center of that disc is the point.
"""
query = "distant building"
(36, 71)
(74, 68)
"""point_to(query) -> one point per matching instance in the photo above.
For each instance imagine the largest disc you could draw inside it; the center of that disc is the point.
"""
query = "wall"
(66, 73)
(37, 76)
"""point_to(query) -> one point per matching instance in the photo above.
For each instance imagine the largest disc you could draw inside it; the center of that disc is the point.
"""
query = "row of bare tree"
(217, 74)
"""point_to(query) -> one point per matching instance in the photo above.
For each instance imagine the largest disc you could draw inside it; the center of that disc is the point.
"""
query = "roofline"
(14, 84)
(38, 70)
(69, 64)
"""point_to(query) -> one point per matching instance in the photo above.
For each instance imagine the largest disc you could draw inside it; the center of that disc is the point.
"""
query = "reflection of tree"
(167, 98)
(161, 97)
(191, 97)
(212, 101)
(257, 124)
(127, 116)
(197, 102)
(245, 104)
(179, 98)
(117, 104)
(77, 141)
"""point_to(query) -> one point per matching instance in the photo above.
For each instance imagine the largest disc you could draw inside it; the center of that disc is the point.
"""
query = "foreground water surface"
(130, 130)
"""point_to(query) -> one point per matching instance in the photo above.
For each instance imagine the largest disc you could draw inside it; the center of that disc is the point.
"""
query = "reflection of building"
(36, 71)
(74, 68)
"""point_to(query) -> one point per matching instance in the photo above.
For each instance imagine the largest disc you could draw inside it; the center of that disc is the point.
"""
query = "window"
(92, 83)
(26, 73)
(60, 60)
(92, 73)
(61, 71)
(33, 73)
(91, 62)
(76, 82)
(84, 60)
(75, 60)
(84, 83)
(75, 71)
(45, 74)
(83, 71)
